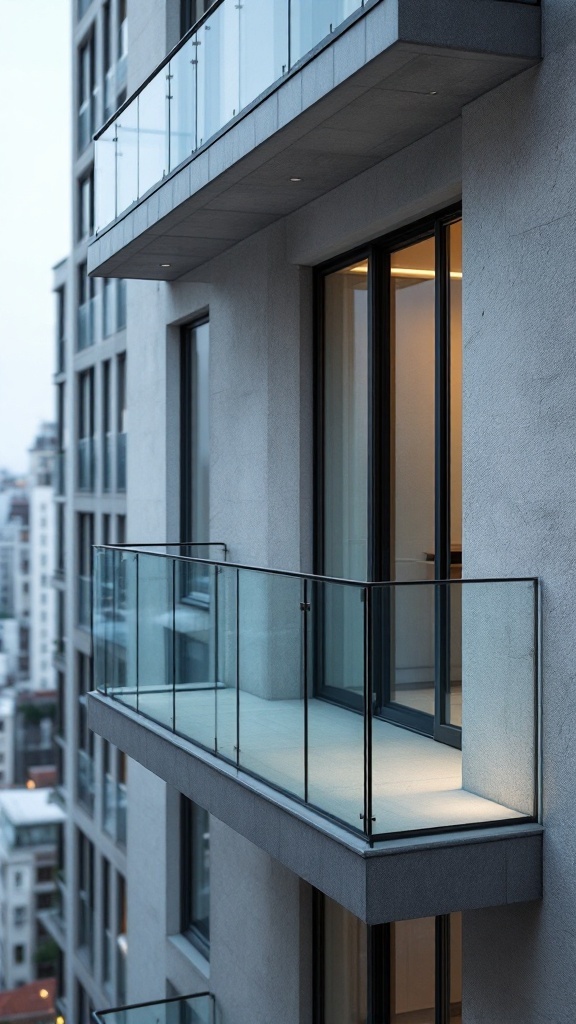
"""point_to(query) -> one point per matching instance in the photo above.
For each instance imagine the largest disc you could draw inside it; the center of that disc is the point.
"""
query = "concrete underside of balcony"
(392, 75)
(417, 785)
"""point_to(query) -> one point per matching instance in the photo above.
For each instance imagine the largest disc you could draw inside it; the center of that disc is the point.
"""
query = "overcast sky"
(34, 210)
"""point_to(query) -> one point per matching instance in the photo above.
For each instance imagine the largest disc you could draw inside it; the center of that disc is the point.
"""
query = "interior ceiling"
(395, 100)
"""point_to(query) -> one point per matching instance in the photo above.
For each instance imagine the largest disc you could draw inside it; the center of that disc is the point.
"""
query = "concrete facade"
(510, 158)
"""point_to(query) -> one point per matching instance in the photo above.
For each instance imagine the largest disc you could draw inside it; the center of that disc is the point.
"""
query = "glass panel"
(183, 103)
(413, 645)
(200, 426)
(127, 157)
(263, 46)
(312, 22)
(270, 678)
(453, 710)
(346, 422)
(152, 132)
(335, 736)
(218, 71)
(115, 624)
(226, 669)
(194, 652)
(413, 981)
(455, 968)
(155, 638)
(105, 157)
(345, 965)
(499, 754)
(413, 363)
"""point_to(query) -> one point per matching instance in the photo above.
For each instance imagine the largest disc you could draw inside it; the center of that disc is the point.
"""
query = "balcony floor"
(417, 782)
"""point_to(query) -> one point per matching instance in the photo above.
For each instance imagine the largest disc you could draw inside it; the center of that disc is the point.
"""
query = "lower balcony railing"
(350, 697)
(197, 1009)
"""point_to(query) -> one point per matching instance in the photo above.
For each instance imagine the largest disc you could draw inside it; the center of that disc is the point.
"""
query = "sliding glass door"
(389, 458)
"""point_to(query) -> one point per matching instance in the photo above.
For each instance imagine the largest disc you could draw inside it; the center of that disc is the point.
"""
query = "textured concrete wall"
(519, 163)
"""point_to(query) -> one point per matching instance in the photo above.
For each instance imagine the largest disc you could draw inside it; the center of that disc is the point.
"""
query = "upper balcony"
(265, 106)
(227, 665)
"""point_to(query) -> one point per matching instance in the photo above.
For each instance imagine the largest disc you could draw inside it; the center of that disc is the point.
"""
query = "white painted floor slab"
(417, 782)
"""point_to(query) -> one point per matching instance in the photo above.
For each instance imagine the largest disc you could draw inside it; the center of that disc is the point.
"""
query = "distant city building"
(30, 825)
(42, 546)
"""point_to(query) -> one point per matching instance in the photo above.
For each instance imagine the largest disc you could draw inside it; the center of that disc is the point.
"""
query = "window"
(86, 93)
(389, 465)
(19, 916)
(195, 433)
(85, 542)
(45, 873)
(60, 329)
(121, 423)
(86, 206)
(86, 316)
(409, 972)
(122, 50)
(107, 436)
(86, 895)
(19, 954)
(86, 418)
(195, 874)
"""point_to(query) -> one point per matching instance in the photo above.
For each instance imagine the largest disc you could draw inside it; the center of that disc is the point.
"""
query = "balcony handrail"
(98, 1015)
(170, 56)
(143, 549)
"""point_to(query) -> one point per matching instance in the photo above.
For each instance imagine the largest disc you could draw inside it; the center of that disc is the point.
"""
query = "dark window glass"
(195, 874)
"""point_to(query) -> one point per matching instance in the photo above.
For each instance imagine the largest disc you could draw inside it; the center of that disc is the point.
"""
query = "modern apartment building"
(347, 230)
(29, 838)
(90, 507)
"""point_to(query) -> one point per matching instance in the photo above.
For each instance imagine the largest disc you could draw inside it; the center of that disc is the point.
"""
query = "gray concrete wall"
(519, 159)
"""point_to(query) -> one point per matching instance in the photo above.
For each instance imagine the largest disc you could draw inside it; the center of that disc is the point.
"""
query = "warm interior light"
(30, 784)
(60, 1020)
(424, 275)
(44, 993)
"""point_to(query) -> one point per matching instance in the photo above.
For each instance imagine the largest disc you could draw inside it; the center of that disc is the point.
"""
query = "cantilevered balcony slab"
(410, 877)
(392, 73)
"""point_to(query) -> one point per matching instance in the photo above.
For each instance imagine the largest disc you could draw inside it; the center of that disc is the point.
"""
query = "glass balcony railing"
(265, 670)
(86, 464)
(233, 55)
(196, 1009)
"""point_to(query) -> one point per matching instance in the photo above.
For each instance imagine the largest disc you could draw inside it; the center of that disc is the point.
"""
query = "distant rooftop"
(33, 1002)
(30, 807)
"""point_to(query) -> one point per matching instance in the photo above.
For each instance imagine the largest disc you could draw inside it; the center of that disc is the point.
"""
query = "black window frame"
(378, 982)
(378, 253)
(189, 926)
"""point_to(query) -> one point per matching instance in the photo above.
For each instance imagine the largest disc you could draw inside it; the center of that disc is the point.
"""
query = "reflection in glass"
(183, 103)
(346, 422)
(345, 965)
(127, 157)
(412, 302)
(413, 973)
(152, 136)
(217, 71)
(453, 710)
(312, 22)
(263, 45)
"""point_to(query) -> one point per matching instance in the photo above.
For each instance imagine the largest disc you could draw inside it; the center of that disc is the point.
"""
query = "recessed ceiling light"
(44, 993)
(165, 264)
(433, 92)
(295, 179)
